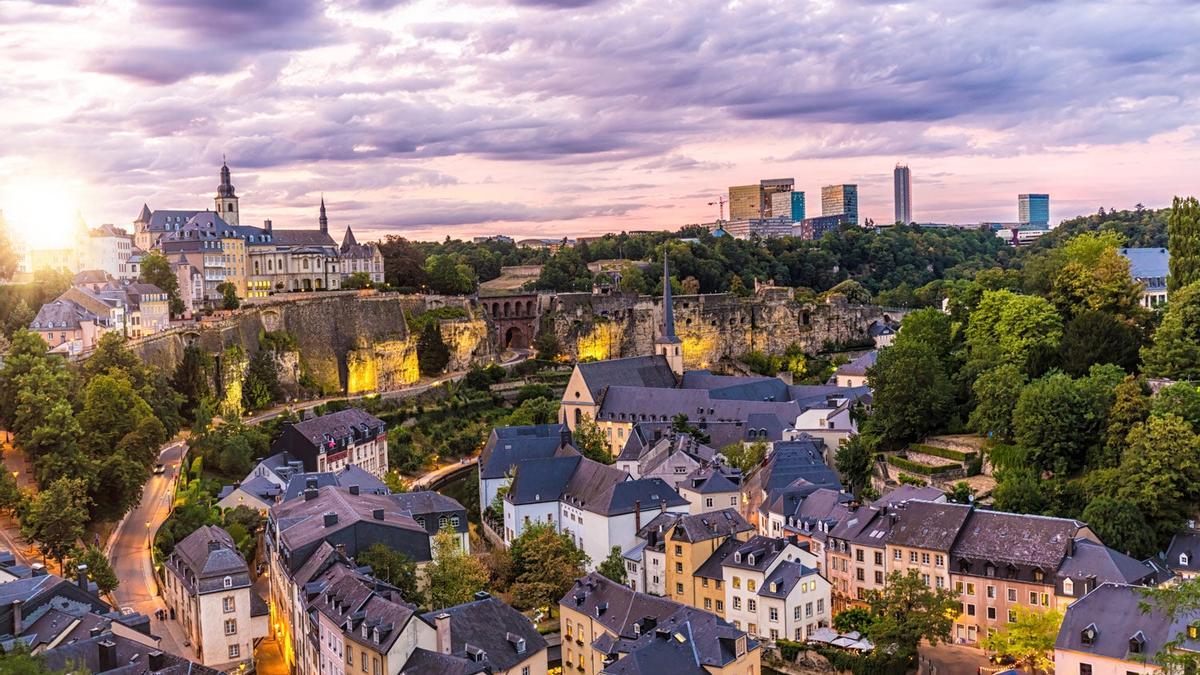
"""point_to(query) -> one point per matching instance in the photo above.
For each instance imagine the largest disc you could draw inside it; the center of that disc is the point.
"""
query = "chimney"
(637, 515)
(310, 483)
(310, 494)
(37, 570)
(442, 623)
(330, 519)
(354, 490)
(16, 614)
(341, 549)
(482, 595)
(96, 630)
(267, 225)
(108, 655)
(155, 660)
(81, 576)
(377, 514)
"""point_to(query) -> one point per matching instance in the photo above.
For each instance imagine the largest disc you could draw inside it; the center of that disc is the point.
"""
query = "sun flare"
(41, 212)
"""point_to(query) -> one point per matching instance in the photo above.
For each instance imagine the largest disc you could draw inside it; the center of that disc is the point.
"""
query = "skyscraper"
(788, 205)
(903, 194)
(839, 199)
(1034, 209)
(755, 201)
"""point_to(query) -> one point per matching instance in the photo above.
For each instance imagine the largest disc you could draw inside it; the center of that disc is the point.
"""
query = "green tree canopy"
(157, 270)
(1175, 349)
(1183, 232)
(454, 575)
(432, 353)
(908, 611)
(1029, 641)
(1097, 337)
(855, 461)
(545, 563)
(1051, 418)
(613, 566)
(56, 516)
(996, 393)
(913, 394)
(589, 439)
(393, 567)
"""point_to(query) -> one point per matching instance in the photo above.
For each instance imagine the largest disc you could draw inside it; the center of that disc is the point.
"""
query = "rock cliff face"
(713, 328)
(346, 343)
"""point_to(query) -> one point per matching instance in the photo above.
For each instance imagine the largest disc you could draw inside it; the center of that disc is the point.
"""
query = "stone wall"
(713, 328)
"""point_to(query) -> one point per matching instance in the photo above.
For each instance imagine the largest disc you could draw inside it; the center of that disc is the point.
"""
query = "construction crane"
(720, 204)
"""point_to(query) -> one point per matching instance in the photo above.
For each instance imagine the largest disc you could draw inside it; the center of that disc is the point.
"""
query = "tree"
(855, 462)
(261, 386)
(907, 611)
(191, 379)
(157, 270)
(8, 255)
(1019, 490)
(111, 409)
(358, 280)
(56, 516)
(534, 411)
(632, 280)
(1131, 406)
(1096, 337)
(854, 292)
(545, 564)
(912, 392)
(98, 568)
(1175, 350)
(26, 350)
(590, 441)
(403, 263)
(454, 575)
(613, 566)
(1012, 328)
(1121, 525)
(1161, 470)
(432, 353)
(1029, 641)
(1051, 418)
(1095, 277)
(18, 661)
(1180, 399)
(852, 619)
(1183, 236)
(996, 394)
(117, 487)
(11, 498)
(229, 296)
(447, 274)
(393, 567)
(546, 343)
(744, 456)
(928, 326)
(962, 493)
(1179, 603)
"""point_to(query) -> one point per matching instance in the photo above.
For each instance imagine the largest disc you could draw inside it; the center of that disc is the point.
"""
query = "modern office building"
(755, 201)
(789, 205)
(840, 199)
(1034, 209)
(903, 194)
(816, 227)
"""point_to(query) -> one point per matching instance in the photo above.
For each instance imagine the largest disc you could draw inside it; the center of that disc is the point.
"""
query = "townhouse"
(506, 447)
(350, 437)
(749, 568)
(688, 543)
(1113, 630)
(609, 628)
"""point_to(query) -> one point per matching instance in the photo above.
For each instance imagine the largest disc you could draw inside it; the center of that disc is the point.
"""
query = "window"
(939, 560)
(796, 613)
(820, 605)
(231, 626)
(897, 555)
(708, 502)
(442, 520)
(678, 550)
(970, 610)
(737, 602)
(525, 670)
(912, 556)
(750, 584)
(925, 578)
(878, 557)
(720, 606)
(1032, 598)
(924, 558)
(1088, 635)
(808, 610)
(235, 651)
(227, 604)
(678, 588)
(454, 521)
(737, 582)
(878, 577)
(858, 555)
(991, 614)
(708, 603)
(704, 582)
(859, 573)
(1085, 669)
(733, 500)
(1012, 595)
(970, 588)
(227, 582)
(679, 568)
(991, 592)
(363, 663)
(1012, 616)
(958, 587)
(751, 605)
(773, 613)
(1068, 587)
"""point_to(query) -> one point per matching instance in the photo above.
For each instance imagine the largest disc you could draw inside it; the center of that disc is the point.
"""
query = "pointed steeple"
(323, 220)
(349, 240)
(145, 215)
(668, 324)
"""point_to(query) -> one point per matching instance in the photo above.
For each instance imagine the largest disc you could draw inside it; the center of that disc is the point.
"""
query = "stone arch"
(495, 310)
(507, 307)
(528, 308)
(515, 338)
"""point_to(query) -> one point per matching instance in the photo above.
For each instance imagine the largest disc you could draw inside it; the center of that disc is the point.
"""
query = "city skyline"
(428, 119)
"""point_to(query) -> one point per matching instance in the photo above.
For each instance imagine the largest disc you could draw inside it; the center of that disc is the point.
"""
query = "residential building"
(107, 248)
(840, 199)
(147, 307)
(747, 570)
(436, 513)
(713, 487)
(207, 589)
(1150, 267)
(832, 421)
(689, 542)
(1021, 235)
(67, 327)
(609, 628)
(671, 457)
(350, 437)
(490, 632)
(1113, 631)
(856, 555)
(902, 194)
(789, 465)
(854, 373)
(1034, 209)
(923, 534)
(506, 447)
(1090, 563)
(1183, 555)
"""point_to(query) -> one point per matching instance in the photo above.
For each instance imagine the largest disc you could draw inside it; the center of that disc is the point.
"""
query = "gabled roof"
(1184, 543)
(205, 557)
(1039, 541)
(302, 521)
(928, 525)
(1148, 263)
(615, 606)
(499, 630)
(426, 662)
(764, 550)
(636, 371)
(858, 367)
(508, 446)
(348, 476)
(689, 641)
(338, 425)
(1092, 560)
(1114, 612)
(61, 315)
(785, 577)
(302, 238)
(693, 528)
(790, 460)
(904, 493)
(542, 480)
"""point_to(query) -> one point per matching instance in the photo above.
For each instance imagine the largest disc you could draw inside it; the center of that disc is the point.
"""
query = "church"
(211, 247)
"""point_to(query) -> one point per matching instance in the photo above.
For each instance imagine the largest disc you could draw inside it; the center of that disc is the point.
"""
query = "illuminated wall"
(602, 342)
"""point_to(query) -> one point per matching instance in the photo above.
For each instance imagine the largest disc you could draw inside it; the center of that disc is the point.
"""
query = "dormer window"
(989, 570)
(1068, 587)
(1137, 643)
(1088, 636)
(1184, 559)
(227, 582)
(1038, 576)
(737, 556)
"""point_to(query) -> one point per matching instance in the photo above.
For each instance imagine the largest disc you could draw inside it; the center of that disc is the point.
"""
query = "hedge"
(873, 663)
(917, 467)
(944, 453)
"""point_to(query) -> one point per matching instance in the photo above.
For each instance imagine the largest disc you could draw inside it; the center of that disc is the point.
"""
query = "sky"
(428, 118)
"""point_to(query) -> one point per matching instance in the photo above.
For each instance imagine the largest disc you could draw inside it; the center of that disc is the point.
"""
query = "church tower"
(227, 201)
(667, 343)
(323, 220)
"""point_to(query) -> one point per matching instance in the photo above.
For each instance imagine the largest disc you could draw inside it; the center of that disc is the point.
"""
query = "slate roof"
(494, 627)
(1091, 561)
(163, 220)
(858, 367)
(258, 486)
(205, 557)
(626, 495)
(763, 549)
(61, 314)
(351, 600)
(622, 606)
(508, 446)
(132, 657)
(789, 460)
(704, 526)
(1115, 613)
(428, 506)
(689, 641)
(542, 480)
(591, 485)
(1184, 543)
(786, 575)
(1148, 263)
(45, 590)
(637, 371)
(343, 424)
(1038, 541)
(928, 525)
(712, 479)
(346, 477)
(711, 568)
(301, 521)
(426, 662)
(807, 508)
(302, 238)
(866, 525)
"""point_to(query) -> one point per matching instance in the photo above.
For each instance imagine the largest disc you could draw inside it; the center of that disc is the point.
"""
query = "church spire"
(668, 344)
(323, 220)
(226, 200)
